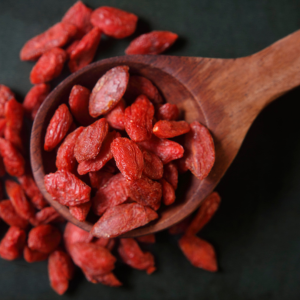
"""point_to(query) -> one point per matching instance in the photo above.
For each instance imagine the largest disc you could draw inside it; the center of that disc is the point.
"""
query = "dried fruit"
(47, 215)
(44, 238)
(56, 36)
(14, 137)
(80, 211)
(32, 256)
(138, 119)
(149, 238)
(9, 215)
(122, 218)
(49, 66)
(12, 244)
(114, 22)
(85, 50)
(79, 15)
(108, 279)
(102, 158)
(139, 85)
(171, 174)
(146, 192)
(18, 199)
(65, 158)
(99, 178)
(108, 91)
(113, 193)
(168, 111)
(168, 192)
(58, 127)
(169, 129)
(79, 104)
(66, 188)
(153, 166)
(14, 114)
(200, 253)
(71, 47)
(90, 140)
(115, 118)
(128, 157)
(61, 270)
(154, 42)
(200, 150)
(5, 95)
(2, 126)
(133, 256)
(165, 149)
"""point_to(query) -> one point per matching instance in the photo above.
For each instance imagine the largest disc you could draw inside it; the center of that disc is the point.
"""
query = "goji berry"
(49, 66)
(168, 192)
(80, 211)
(110, 167)
(99, 178)
(79, 105)
(44, 238)
(56, 36)
(168, 111)
(102, 158)
(181, 167)
(18, 199)
(138, 119)
(47, 215)
(58, 127)
(165, 149)
(32, 256)
(85, 50)
(154, 42)
(114, 22)
(13, 161)
(200, 150)
(200, 253)
(89, 142)
(169, 129)
(10, 216)
(108, 91)
(14, 137)
(122, 218)
(66, 188)
(171, 174)
(12, 244)
(146, 192)
(107, 243)
(133, 256)
(128, 157)
(71, 47)
(139, 85)
(148, 238)
(65, 158)
(113, 193)
(115, 118)
(79, 15)
(14, 114)
(2, 126)
(34, 98)
(108, 279)
(5, 95)
(153, 166)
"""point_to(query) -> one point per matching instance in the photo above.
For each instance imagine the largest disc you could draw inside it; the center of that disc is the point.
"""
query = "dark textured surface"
(255, 232)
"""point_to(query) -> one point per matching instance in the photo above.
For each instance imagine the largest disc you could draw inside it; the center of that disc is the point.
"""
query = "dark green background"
(256, 230)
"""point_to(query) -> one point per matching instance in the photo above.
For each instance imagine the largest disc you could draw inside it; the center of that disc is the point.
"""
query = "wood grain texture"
(226, 95)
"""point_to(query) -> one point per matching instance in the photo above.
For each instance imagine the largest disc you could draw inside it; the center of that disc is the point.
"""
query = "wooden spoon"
(226, 95)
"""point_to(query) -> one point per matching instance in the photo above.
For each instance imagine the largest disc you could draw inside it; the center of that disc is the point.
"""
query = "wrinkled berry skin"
(169, 129)
(168, 111)
(153, 166)
(5, 95)
(115, 118)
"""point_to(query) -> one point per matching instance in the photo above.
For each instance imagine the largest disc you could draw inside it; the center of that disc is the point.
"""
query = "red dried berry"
(79, 104)
(14, 114)
(49, 66)
(148, 239)
(168, 111)
(13, 135)
(47, 215)
(32, 256)
(200, 253)
(171, 174)
(58, 127)
(108, 279)
(113, 193)
(66, 188)
(12, 244)
(139, 85)
(79, 15)
(165, 149)
(13, 161)
(65, 158)
(154, 42)
(102, 158)
(128, 157)
(153, 166)
(34, 98)
(44, 238)
(168, 192)
(122, 218)
(80, 211)
(138, 119)
(85, 50)
(108, 91)
(200, 150)
(133, 256)
(169, 129)
(90, 140)
(110, 167)
(56, 36)
(18, 199)
(2, 126)
(10, 216)
(5, 95)
(115, 118)
(114, 22)
(71, 47)
(99, 178)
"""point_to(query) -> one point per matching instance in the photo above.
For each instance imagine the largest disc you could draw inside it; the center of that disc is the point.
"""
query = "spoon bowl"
(225, 95)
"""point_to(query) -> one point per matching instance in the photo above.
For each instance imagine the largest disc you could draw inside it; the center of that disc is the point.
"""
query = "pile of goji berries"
(131, 161)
